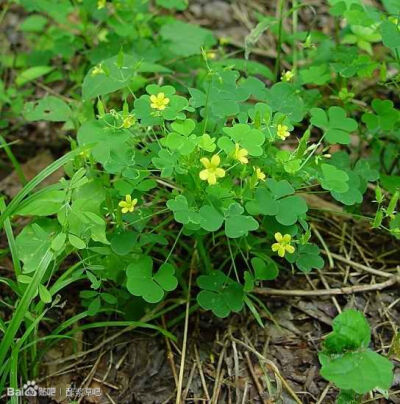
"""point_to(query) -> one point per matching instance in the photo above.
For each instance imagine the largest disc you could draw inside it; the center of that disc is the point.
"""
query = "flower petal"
(215, 160)
(220, 172)
(205, 161)
(290, 249)
(203, 174)
(212, 179)
(287, 238)
(278, 237)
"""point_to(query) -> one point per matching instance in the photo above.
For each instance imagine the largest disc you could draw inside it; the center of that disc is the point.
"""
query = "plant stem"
(281, 6)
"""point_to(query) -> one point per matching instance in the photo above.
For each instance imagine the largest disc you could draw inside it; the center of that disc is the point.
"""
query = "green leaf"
(283, 97)
(358, 371)
(290, 209)
(112, 76)
(264, 270)
(76, 242)
(32, 73)
(334, 179)
(106, 142)
(173, 4)
(47, 109)
(385, 118)
(34, 241)
(186, 39)
(248, 138)
(390, 34)
(210, 218)
(237, 224)
(141, 282)
(123, 242)
(219, 294)
(350, 331)
(182, 213)
(346, 359)
(307, 257)
(336, 125)
(43, 203)
(44, 294)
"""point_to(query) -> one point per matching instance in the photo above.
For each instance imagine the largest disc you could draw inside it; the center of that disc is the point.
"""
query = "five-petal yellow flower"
(240, 154)
(212, 172)
(259, 174)
(159, 101)
(287, 76)
(282, 131)
(283, 244)
(128, 205)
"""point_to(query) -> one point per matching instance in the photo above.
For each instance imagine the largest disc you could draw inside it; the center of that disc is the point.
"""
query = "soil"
(232, 360)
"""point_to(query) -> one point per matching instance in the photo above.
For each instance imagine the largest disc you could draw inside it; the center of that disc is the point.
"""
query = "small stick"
(360, 266)
(185, 333)
(255, 378)
(348, 290)
(202, 378)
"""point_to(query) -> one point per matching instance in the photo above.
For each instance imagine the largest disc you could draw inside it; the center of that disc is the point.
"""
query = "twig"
(255, 378)
(272, 366)
(185, 331)
(359, 266)
(348, 290)
(202, 378)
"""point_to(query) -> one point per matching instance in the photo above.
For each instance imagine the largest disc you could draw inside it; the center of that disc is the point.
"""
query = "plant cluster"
(183, 150)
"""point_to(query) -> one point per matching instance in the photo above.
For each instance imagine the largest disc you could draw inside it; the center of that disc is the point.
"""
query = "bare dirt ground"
(235, 360)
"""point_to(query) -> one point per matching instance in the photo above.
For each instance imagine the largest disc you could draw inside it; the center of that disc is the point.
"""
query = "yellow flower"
(259, 174)
(283, 244)
(97, 70)
(212, 171)
(240, 154)
(159, 101)
(282, 131)
(128, 205)
(128, 121)
(101, 4)
(287, 76)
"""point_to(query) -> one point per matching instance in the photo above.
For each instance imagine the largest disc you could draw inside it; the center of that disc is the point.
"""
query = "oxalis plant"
(199, 186)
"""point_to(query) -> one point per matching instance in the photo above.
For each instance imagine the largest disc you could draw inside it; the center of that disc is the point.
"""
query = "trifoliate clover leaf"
(282, 97)
(248, 138)
(307, 257)
(206, 142)
(277, 201)
(167, 162)
(182, 213)
(346, 359)
(336, 125)
(237, 224)
(318, 75)
(183, 144)
(210, 218)
(385, 118)
(264, 203)
(185, 127)
(123, 242)
(353, 194)
(264, 269)
(290, 209)
(334, 179)
(220, 294)
(279, 188)
(141, 281)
